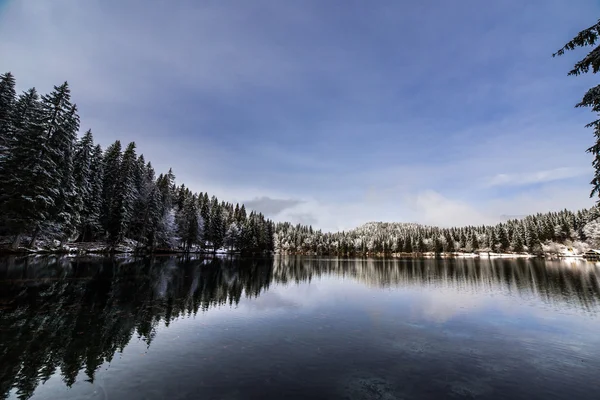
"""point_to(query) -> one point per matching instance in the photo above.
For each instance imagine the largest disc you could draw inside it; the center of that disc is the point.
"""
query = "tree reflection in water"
(74, 314)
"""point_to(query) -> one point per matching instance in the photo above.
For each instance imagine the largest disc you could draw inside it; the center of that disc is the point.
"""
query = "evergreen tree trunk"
(17, 241)
(36, 232)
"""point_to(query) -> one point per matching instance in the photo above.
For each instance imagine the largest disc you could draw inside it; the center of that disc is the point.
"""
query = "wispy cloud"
(528, 178)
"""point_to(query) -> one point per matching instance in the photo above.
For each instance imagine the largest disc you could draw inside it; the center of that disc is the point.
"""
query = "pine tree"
(191, 224)
(27, 197)
(7, 104)
(492, 241)
(408, 248)
(155, 216)
(125, 195)
(163, 233)
(61, 123)
(450, 245)
(92, 206)
(242, 216)
(503, 242)
(205, 213)
(419, 245)
(531, 237)
(517, 241)
(166, 233)
(438, 246)
(82, 177)
(472, 243)
(216, 225)
(400, 244)
(462, 243)
(270, 236)
(182, 194)
(143, 182)
(585, 38)
(236, 213)
(112, 172)
(165, 185)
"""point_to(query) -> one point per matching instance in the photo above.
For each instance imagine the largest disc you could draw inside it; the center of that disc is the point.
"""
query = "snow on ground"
(569, 249)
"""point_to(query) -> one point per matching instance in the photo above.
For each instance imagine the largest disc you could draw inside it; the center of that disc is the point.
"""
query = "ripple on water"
(359, 387)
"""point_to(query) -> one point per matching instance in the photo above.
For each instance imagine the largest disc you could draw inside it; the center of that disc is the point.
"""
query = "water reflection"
(571, 283)
(73, 314)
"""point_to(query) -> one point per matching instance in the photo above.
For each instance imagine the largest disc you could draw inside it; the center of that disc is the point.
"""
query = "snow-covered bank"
(467, 255)
(128, 246)
(430, 255)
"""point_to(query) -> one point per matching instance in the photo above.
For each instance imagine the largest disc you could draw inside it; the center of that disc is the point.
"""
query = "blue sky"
(331, 112)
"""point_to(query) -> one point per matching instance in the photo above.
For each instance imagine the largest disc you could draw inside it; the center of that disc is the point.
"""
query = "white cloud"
(432, 208)
(527, 178)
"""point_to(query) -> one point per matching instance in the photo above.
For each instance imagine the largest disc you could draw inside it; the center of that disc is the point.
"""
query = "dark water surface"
(298, 328)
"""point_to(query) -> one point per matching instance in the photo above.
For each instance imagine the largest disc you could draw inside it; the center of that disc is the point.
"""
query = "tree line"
(59, 186)
(529, 234)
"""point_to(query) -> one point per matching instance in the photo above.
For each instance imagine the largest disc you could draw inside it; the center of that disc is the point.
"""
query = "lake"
(298, 328)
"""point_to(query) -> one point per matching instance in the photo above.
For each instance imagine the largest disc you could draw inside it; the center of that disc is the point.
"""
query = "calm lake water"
(298, 328)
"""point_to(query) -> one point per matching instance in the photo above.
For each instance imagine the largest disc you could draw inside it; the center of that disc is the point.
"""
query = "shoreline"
(99, 248)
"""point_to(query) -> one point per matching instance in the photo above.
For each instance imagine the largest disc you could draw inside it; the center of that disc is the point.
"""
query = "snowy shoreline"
(132, 247)
(106, 249)
(103, 248)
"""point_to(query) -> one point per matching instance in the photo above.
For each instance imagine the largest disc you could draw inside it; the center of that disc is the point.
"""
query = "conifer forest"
(59, 186)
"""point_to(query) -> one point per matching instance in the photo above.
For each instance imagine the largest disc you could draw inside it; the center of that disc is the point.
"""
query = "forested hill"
(58, 186)
(55, 185)
(534, 234)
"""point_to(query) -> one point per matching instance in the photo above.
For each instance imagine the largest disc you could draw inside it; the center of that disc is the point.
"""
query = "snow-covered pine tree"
(216, 224)
(438, 245)
(111, 179)
(166, 233)
(125, 195)
(242, 216)
(7, 105)
(492, 240)
(408, 247)
(143, 182)
(399, 244)
(531, 237)
(155, 215)
(503, 241)
(450, 245)
(263, 235)
(592, 232)
(166, 227)
(236, 212)
(472, 242)
(165, 184)
(61, 123)
(92, 205)
(419, 244)
(190, 222)
(205, 212)
(27, 196)
(82, 170)
(181, 196)
(517, 240)
(8, 98)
